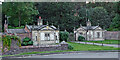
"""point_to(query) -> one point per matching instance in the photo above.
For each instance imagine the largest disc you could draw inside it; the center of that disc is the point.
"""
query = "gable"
(47, 28)
(80, 28)
(98, 28)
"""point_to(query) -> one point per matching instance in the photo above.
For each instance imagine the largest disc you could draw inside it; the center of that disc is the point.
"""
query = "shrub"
(64, 36)
(81, 38)
(70, 47)
(12, 27)
(24, 44)
(30, 43)
(27, 41)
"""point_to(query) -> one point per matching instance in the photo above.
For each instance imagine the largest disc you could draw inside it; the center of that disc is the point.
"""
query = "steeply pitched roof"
(16, 31)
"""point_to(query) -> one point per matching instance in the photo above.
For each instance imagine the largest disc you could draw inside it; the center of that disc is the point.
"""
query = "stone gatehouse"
(89, 32)
(40, 34)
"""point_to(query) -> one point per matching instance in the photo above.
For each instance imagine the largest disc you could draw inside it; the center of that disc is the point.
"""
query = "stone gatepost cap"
(63, 42)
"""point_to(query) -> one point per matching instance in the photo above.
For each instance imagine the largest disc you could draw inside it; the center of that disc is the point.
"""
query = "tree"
(62, 14)
(0, 18)
(63, 36)
(99, 15)
(115, 26)
(19, 13)
(27, 41)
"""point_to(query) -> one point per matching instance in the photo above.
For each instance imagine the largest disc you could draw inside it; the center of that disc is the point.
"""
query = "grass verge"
(77, 47)
(105, 41)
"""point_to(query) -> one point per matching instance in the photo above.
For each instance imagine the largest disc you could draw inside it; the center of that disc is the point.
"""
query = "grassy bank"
(105, 41)
(86, 47)
(0, 38)
(77, 47)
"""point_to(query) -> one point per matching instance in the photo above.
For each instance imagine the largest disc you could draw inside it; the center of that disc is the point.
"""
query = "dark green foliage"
(63, 36)
(10, 27)
(70, 47)
(6, 39)
(81, 38)
(24, 43)
(65, 14)
(30, 43)
(1, 17)
(19, 12)
(27, 41)
(99, 15)
(115, 26)
(61, 14)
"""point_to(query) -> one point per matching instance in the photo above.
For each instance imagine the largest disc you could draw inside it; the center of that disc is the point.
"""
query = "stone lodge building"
(40, 34)
(89, 32)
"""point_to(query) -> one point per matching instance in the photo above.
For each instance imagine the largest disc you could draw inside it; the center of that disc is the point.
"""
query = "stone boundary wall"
(26, 49)
(23, 35)
(112, 35)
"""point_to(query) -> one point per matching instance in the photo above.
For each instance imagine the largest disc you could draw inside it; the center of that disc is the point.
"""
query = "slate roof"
(39, 27)
(90, 27)
(16, 31)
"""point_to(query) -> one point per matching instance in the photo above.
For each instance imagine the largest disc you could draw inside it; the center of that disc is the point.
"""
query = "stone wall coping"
(63, 42)
(39, 46)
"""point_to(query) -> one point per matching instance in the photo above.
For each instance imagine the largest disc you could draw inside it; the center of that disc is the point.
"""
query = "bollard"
(102, 44)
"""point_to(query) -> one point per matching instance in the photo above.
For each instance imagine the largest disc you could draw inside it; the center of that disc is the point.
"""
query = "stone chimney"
(40, 21)
(88, 23)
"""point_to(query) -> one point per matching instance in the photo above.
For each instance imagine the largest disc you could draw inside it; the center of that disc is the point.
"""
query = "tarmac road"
(78, 55)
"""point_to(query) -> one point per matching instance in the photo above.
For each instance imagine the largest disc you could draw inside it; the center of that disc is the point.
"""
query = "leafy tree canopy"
(19, 13)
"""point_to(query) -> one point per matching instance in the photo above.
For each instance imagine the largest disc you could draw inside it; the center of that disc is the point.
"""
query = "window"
(47, 34)
(36, 38)
(98, 34)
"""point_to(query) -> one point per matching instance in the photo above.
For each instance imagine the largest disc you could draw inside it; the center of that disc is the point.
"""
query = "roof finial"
(80, 25)
(88, 20)
(47, 22)
(98, 24)
(34, 24)
(5, 16)
(52, 24)
(5, 19)
(26, 23)
(65, 30)
(88, 23)
(74, 28)
(58, 27)
(5, 22)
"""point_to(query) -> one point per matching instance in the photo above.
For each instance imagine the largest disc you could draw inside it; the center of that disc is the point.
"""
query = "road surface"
(78, 55)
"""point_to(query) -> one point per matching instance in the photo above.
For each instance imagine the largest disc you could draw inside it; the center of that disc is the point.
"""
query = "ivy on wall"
(7, 39)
